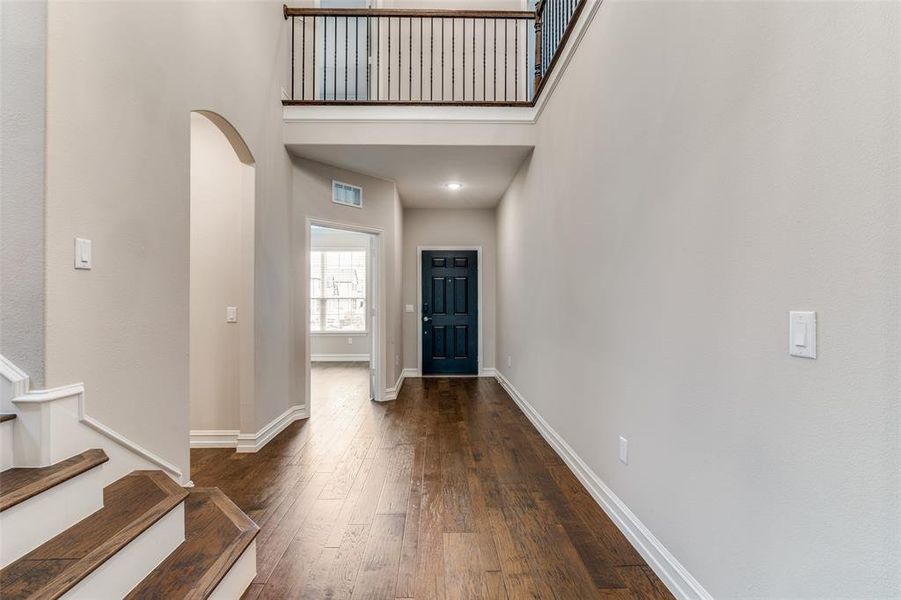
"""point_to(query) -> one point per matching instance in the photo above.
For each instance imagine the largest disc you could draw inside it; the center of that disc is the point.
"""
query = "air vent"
(349, 195)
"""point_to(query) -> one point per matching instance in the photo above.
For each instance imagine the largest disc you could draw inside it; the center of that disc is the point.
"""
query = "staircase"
(108, 521)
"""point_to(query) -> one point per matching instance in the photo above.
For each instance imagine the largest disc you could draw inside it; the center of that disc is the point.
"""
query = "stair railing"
(426, 57)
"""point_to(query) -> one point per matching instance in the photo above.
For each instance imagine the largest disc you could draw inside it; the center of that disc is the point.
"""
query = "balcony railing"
(430, 57)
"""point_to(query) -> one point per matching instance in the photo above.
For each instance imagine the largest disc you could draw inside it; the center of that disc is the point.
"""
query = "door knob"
(426, 319)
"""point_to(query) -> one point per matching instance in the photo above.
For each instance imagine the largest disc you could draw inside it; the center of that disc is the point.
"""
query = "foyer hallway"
(448, 492)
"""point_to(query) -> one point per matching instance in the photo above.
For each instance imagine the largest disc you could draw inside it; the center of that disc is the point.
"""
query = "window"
(338, 291)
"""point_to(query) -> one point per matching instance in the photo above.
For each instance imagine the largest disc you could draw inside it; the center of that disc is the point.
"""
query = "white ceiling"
(422, 171)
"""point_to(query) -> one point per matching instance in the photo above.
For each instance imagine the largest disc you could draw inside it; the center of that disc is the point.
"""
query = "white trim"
(488, 372)
(77, 389)
(676, 577)
(252, 442)
(339, 358)
(394, 392)
(214, 438)
(419, 250)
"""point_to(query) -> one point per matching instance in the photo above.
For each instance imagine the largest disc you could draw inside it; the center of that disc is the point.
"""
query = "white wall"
(450, 227)
(333, 345)
(123, 78)
(702, 169)
(216, 277)
(23, 53)
(382, 210)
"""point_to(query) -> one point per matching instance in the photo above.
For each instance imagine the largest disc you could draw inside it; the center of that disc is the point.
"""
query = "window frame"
(322, 301)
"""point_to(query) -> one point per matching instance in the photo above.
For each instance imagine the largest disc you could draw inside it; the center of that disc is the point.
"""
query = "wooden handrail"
(403, 12)
(557, 51)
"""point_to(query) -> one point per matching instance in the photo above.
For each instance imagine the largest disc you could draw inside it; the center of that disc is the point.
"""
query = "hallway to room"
(447, 492)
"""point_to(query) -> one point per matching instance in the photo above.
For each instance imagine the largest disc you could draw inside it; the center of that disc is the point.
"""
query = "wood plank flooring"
(447, 492)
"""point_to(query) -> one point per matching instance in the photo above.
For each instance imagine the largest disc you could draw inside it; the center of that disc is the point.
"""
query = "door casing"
(378, 267)
(419, 250)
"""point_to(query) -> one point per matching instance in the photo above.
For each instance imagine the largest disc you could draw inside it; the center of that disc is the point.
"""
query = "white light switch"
(82, 253)
(231, 314)
(350, 341)
(408, 308)
(802, 333)
(623, 450)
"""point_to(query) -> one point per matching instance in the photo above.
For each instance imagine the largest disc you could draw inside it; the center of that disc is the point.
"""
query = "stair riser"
(6, 444)
(118, 575)
(29, 524)
(239, 577)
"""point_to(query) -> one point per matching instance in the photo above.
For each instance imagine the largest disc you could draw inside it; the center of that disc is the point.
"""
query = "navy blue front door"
(450, 312)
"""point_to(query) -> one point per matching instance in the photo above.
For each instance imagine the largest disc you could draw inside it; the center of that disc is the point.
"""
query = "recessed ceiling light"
(453, 186)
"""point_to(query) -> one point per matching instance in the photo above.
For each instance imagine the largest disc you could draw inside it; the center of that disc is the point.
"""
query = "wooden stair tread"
(131, 506)
(216, 534)
(4, 417)
(21, 483)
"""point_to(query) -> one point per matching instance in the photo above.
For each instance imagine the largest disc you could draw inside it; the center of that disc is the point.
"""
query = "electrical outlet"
(623, 450)
(509, 361)
(350, 341)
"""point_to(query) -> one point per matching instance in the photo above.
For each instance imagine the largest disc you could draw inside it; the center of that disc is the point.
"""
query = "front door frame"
(419, 250)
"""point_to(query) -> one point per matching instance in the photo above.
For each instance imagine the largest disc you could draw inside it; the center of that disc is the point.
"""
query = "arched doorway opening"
(221, 336)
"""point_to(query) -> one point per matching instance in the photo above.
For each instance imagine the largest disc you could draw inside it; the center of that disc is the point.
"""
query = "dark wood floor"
(447, 492)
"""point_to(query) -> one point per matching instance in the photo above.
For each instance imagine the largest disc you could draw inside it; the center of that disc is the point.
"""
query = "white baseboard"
(214, 438)
(252, 442)
(392, 392)
(675, 576)
(339, 358)
(486, 372)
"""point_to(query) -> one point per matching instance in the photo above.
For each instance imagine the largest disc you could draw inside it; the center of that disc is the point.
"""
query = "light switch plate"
(408, 308)
(802, 333)
(82, 253)
(231, 314)
(623, 450)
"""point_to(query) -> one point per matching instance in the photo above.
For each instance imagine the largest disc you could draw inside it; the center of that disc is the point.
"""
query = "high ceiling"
(421, 172)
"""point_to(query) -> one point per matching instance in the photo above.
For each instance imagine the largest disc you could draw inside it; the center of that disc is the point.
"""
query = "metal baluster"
(314, 57)
(494, 64)
(410, 59)
(346, 55)
(506, 45)
(473, 59)
(292, 58)
(453, 58)
(335, 72)
(485, 60)
(421, 57)
(431, 58)
(378, 57)
(400, 52)
(463, 46)
(389, 58)
(442, 59)
(516, 61)
(368, 62)
(356, 58)
(325, 58)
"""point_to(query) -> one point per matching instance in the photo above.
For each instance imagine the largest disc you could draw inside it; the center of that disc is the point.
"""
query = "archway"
(221, 346)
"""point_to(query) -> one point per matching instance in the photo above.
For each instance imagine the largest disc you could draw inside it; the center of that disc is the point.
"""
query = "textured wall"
(23, 46)
(702, 169)
(123, 80)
